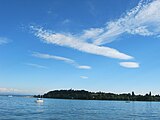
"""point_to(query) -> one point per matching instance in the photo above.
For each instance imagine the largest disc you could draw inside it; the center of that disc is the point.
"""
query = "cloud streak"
(3, 40)
(68, 40)
(144, 20)
(129, 64)
(64, 59)
(36, 65)
(84, 77)
(84, 67)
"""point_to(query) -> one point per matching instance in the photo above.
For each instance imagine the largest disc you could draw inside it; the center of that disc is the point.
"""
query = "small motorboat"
(39, 100)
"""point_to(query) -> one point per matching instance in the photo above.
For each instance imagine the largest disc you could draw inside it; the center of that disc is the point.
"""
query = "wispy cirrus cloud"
(84, 77)
(75, 42)
(64, 59)
(129, 64)
(36, 65)
(84, 67)
(47, 56)
(92, 33)
(144, 20)
(4, 40)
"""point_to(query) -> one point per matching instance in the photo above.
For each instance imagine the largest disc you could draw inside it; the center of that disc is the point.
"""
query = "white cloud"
(3, 40)
(64, 59)
(84, 67)
(143, 20)
(36, 65)
(142, 30)
(68, 40)
(92, 33)
(129, 64)
(84, 77)
(47, 56)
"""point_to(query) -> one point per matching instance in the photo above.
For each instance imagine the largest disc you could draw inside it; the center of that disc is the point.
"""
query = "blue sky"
(110, 46)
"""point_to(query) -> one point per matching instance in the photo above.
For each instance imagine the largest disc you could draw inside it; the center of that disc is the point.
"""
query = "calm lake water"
(20, 108)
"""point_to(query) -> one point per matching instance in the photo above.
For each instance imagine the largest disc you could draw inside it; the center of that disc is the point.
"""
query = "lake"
(21, 108)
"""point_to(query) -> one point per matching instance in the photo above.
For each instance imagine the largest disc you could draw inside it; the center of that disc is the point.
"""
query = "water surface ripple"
(21, 108)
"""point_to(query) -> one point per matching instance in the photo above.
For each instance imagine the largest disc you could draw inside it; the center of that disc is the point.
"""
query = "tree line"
(86, 95)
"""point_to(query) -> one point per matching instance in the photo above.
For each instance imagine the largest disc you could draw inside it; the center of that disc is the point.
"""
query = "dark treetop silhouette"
(86, 95)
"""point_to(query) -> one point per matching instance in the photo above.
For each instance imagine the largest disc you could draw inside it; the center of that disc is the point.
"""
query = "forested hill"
(85, 95)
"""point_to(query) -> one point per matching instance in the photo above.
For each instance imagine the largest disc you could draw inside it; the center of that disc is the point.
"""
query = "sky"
(106, 45)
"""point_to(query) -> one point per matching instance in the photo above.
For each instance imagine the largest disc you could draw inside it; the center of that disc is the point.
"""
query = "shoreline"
(86, 95)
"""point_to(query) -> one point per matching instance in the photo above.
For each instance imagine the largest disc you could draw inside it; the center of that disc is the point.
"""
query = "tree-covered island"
(86, 95)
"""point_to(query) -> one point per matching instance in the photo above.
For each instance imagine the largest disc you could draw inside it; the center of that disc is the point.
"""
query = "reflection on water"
(19, 108)
(39, 107)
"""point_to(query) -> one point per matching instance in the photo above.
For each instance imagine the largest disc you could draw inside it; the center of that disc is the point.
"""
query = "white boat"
(39, 100)
(10, 96)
